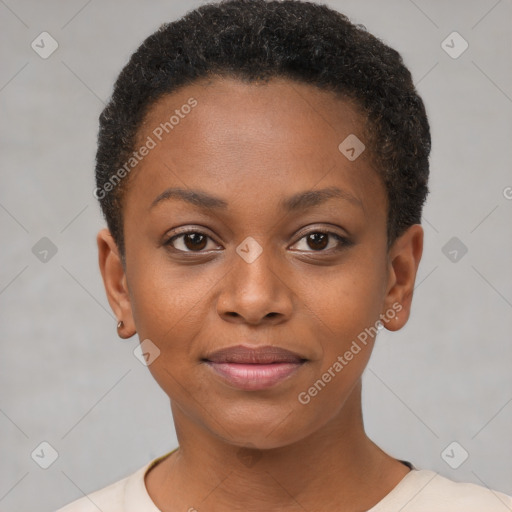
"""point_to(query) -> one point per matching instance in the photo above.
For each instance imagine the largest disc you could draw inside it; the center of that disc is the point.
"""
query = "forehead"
(247, 136)
(279, 112)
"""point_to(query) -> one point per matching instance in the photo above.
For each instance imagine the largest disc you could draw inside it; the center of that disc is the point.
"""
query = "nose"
(255, 292)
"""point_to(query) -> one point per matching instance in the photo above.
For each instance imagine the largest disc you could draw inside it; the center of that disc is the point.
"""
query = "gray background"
(66, 378)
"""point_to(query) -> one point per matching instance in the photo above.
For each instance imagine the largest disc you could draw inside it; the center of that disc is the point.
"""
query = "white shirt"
(420, 490)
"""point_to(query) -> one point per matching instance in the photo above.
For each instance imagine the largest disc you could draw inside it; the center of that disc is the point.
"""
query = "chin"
(263, 428)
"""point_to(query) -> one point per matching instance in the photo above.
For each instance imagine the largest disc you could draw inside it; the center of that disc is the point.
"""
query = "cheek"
(344, 302)
(168, 309)
(346, 307)
(345, 311)
(167, 305)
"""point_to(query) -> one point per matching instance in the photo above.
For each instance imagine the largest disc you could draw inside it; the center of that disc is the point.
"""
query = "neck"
(337, 464)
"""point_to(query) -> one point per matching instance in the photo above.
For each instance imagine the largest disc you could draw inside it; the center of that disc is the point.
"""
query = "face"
(246, 225)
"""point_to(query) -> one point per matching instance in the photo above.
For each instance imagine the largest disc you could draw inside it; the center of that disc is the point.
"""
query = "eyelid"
(343, 240)
(168, 239)
(319, 229)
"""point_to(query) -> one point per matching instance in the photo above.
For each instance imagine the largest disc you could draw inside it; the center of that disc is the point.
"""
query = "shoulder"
(108, 499)
(427, 490)
(126, 495)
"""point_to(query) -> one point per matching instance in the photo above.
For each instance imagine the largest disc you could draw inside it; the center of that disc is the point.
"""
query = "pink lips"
(254, 369)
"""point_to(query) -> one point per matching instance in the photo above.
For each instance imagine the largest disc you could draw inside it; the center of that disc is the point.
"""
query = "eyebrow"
(299, 201)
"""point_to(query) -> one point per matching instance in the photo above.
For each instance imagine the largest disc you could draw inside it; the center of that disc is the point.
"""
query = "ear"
(403, 260)
(114, 280)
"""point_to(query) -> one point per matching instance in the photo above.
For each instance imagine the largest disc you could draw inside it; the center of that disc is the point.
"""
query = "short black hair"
(255, 40)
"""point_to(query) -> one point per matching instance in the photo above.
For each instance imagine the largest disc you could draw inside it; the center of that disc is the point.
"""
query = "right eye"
(190, 241)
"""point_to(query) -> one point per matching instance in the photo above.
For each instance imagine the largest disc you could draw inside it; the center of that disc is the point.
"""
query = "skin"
(254, 145)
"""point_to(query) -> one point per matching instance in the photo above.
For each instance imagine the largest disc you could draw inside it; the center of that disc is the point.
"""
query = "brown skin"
(254, 145)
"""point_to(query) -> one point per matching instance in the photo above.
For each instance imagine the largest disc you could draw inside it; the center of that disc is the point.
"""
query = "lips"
(253, 369)
(260, 355)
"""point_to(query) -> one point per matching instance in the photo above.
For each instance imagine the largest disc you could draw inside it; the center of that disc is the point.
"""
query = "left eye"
(319, 240)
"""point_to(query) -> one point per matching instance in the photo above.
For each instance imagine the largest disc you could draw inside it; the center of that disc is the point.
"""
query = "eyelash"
(343, 241)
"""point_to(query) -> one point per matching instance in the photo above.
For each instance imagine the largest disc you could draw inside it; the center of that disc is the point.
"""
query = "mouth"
(253, 369)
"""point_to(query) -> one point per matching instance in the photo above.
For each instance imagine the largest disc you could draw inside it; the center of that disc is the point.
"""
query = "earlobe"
(403, 261)
(114, 280)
